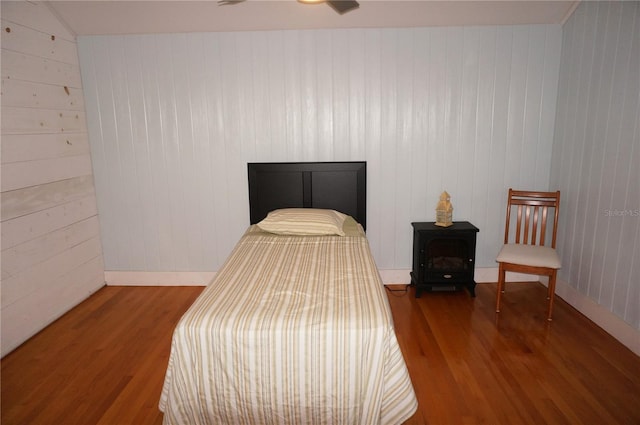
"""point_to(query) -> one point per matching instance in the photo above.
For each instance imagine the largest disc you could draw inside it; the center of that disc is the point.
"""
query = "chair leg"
(500, 289)
(551, 293)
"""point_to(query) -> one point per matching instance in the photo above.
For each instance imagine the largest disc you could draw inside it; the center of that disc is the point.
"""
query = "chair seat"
(529, 255)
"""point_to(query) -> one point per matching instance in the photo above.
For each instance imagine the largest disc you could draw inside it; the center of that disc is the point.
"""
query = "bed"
(294, 328)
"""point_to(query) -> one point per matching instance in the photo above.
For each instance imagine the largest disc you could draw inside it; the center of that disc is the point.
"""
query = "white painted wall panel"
(596, 154)
(173, 120)
(372, 133)
(51, 248)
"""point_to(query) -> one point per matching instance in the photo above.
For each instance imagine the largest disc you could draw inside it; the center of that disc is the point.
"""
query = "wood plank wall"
(51, 246)
(596, 157)
(174, 119)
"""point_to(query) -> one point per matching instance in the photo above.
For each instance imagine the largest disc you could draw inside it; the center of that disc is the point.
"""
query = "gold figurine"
(444, 210)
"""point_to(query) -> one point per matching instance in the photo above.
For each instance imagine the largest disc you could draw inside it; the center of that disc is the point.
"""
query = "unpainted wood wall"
(51, 246)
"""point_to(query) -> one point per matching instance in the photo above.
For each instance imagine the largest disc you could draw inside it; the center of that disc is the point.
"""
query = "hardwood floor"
(104, 361)
(101, 363)
(470, 365)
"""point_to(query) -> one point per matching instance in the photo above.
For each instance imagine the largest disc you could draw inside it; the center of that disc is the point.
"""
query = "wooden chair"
(527, 252)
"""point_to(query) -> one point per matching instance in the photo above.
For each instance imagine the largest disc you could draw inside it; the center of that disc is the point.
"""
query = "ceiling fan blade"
(228, 2)
(343, 6)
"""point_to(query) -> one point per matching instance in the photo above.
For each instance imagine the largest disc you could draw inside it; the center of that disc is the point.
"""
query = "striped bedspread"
(292, 330)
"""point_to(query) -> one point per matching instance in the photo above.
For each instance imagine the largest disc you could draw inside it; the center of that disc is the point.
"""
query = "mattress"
(292, 330)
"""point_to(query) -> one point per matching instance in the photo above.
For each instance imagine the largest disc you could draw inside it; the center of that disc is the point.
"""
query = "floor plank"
(471, 365)
(104, 361)
(101, 363)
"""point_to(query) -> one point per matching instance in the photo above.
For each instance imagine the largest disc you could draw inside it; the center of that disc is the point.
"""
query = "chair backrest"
(532, 216)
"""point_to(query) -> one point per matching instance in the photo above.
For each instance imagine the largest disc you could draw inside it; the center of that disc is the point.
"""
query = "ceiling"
(99, 17)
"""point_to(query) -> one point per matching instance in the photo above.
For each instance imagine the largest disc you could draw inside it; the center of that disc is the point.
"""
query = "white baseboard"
(395, 276)
(490, 275)
(481, 274)
(120, 278)
(611, 323)
(126, 278)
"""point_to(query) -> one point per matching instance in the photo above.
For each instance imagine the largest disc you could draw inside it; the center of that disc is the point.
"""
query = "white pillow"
(304, 221)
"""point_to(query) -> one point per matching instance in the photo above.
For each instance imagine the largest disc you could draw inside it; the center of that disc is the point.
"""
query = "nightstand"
(444, 257)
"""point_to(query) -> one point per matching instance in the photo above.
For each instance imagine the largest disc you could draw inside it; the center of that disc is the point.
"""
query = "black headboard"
(341, 186)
